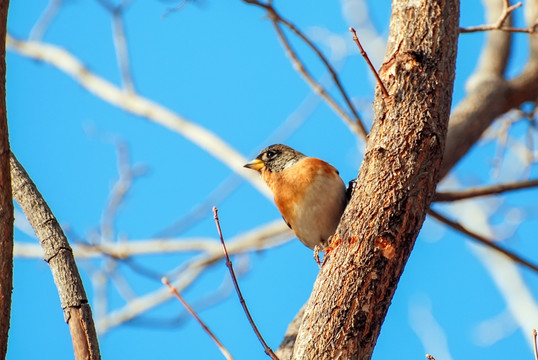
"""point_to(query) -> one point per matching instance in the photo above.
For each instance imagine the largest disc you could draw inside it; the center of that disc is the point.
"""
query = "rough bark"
(489, 95)
(285, 350)
(396, 183)
(6, 201)
(59, 256)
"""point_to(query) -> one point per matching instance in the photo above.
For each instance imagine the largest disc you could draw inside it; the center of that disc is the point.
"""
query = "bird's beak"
(255, 164)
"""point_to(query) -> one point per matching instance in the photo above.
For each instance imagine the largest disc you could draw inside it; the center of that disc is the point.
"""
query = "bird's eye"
(270, 154)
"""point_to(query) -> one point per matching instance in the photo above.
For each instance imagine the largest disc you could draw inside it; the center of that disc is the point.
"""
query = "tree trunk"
(395, 186)
(6, 201)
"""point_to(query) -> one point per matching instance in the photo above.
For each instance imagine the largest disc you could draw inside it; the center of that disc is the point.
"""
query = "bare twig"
(357, 126)
(269, 234)
(481, 239)
(122, 51)
(490, 94)
(176, 293)
(260, 238)
(534, 344)
(127, 173)
(503, 135)
(365, 56)
(484, 191)
(267, 349)
(178, 7)
(498, 25)
(45, 19)
(317, 87)
(120, 42)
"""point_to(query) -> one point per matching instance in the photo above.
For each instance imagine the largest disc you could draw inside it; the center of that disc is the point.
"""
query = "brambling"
(309, 192)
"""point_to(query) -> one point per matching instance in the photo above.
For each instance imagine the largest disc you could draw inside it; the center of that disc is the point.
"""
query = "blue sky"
(220, 65)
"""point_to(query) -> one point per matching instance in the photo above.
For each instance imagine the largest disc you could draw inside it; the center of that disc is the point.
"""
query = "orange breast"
(302, 197)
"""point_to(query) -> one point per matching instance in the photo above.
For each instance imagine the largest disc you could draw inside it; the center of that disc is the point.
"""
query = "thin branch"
(269, 234)
(481, 239)
(45, 19)
(484, 191)
(122, 51)
(530, 30)
(498, 25)
(267, 349)
(365, 56)
(126, 250)
(221, 347)
(120, 42)
(316, 87)
(178, 7)
(490, 94)
(266, 236)
(138, 105)
(357, 126)
(127, 173)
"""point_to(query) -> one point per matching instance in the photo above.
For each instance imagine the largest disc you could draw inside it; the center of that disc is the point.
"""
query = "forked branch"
(498, 25)
(357, 125)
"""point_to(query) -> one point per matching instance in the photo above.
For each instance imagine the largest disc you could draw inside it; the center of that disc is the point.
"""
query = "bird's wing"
(287, 223)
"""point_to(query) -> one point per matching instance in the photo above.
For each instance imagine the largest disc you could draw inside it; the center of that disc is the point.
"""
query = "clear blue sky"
(220, 65)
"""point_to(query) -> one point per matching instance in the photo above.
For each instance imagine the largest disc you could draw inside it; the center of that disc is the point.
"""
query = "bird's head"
(275, 158)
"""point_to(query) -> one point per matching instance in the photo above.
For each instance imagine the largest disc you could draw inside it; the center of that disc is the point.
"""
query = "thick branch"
(59, 256)
(489, 93)
(6, 202)
(395, 186)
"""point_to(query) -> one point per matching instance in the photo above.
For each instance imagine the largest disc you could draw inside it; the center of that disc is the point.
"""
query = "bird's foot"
(317, 250)
(316, 255)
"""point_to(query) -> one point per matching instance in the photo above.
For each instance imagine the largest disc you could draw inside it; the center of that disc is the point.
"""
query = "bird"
(307, 191)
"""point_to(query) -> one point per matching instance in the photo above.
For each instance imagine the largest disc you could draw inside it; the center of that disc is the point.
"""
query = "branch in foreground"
(444, 196)
(365, 56)
(481, 239)
(59, 256)
(267, 349)
(357, 126)
(191, 311)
